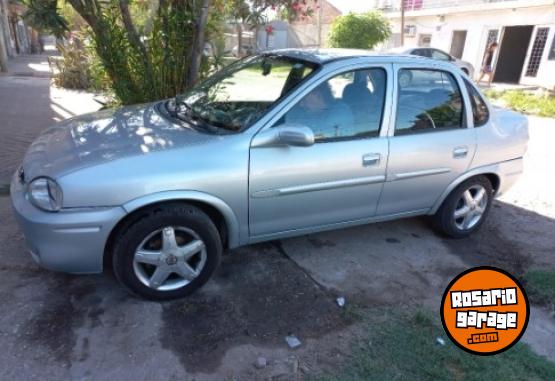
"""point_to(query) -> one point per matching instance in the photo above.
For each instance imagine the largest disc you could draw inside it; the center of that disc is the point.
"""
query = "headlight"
(45, 194)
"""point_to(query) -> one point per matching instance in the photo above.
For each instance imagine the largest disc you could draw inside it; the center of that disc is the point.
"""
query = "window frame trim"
(482, 97)
(437, 66)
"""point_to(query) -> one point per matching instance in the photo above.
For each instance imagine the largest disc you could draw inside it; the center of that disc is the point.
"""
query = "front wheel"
(167, 252)
(465, 209)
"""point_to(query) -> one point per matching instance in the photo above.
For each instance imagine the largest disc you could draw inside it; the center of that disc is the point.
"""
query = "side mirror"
(295, 135)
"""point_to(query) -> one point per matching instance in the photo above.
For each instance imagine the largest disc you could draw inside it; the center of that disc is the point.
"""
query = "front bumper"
(71, 240)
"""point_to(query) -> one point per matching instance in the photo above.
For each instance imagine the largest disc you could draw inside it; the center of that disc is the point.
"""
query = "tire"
(167, 252)
(458, 216)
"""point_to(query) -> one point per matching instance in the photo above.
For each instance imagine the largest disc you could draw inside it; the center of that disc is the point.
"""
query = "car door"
(340, 177)
(432, 141)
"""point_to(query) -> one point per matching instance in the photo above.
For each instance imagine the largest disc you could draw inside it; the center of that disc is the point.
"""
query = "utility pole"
(3, 46)
(320, 24)
(402, 22)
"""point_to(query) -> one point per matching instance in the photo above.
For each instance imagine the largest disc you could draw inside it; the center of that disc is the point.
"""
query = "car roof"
(405, 50)
(323, 56)
(402, 49)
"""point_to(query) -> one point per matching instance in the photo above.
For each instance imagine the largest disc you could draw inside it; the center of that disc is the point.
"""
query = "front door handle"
(460, 152)
(371, 159)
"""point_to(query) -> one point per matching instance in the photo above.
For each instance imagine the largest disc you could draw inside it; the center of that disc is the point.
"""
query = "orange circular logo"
(485, 310)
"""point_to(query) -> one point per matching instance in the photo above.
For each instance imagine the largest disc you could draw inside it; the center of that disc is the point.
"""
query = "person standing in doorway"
(487, 63)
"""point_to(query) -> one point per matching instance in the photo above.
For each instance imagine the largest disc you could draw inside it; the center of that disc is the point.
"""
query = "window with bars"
(551, 55)
(492, 36)
(537, 52)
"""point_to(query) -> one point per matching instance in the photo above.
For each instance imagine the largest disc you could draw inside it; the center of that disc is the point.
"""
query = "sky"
(346, 6)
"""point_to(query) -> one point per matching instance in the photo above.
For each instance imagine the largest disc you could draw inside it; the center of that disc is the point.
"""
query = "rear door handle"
(460, 152)
(371, 159)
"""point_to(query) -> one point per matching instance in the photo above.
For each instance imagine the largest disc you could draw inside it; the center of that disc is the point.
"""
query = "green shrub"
(356, 31)
(524, 101)
(401, 344)
(71, 69)
(540, 286)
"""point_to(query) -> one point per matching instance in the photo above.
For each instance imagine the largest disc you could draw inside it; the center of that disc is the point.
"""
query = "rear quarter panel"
(503, 138)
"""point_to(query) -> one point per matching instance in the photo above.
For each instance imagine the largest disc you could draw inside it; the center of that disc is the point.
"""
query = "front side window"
(428, 100)
(480, 110)
(240, 94)
(348, 106)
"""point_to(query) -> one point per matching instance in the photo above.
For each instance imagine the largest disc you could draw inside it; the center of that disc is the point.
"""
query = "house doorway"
(512, 53)
(457, 43)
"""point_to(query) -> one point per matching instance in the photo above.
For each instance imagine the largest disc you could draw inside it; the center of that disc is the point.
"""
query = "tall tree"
(44, 16)
(163, 56)
(256, 19)
(3, 48)
(240, 11)
(359, 31)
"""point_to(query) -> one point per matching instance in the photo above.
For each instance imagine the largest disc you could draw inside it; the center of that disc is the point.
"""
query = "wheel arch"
(489, 172)
(221, 214)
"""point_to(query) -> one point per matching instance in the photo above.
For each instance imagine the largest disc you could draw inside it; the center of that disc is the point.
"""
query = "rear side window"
(421, 52)
(428, 100)
(480, 110)
(438, 55)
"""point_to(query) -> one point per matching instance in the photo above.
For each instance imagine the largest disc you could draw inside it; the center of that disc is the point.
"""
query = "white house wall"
(477, 24)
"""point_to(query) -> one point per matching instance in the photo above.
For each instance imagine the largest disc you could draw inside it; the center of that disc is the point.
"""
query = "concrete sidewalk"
(30, 65)
(29, 103)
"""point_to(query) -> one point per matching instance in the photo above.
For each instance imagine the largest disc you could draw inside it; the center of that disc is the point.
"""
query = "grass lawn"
(523, 101)
(402, 346)
(540, 287)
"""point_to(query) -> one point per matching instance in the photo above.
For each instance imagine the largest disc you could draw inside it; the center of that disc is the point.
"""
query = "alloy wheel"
(169, 258)
(471, 207)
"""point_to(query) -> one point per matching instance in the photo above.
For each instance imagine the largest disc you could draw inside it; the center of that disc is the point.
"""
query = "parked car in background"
(438, 54)
(247, 50)
(280, 144)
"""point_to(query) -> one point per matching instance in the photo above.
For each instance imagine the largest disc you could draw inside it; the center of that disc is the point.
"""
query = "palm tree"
(43, 15)
(256, 19)
(240, 12)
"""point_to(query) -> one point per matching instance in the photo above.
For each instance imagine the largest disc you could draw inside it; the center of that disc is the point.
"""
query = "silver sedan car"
(438, 54)
(276, 145)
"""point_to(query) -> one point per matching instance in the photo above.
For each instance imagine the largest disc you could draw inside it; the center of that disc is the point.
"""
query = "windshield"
(239, 95)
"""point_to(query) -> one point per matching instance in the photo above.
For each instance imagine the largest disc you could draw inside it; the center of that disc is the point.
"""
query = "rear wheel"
(167, 252)
(465, 209)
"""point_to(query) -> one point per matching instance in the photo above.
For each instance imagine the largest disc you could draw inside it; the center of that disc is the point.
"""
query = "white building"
(524, 29)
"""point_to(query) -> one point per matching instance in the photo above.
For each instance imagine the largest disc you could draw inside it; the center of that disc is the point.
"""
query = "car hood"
(103, 137)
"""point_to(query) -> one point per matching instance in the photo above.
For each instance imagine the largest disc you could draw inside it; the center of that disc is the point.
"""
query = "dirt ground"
(56, 326)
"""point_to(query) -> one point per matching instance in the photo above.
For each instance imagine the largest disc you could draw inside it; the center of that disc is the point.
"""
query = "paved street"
(56, 326)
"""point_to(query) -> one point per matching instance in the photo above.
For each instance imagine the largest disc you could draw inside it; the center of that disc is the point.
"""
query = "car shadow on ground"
(260, 294)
